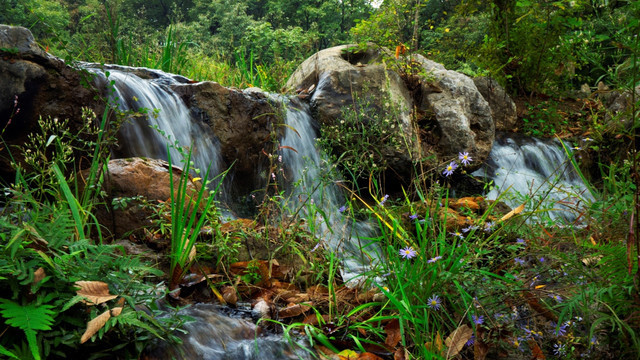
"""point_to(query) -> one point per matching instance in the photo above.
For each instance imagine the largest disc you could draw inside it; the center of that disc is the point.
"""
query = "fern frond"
(28, 318)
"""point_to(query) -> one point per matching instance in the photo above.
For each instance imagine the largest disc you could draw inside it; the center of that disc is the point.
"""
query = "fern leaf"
(5, 352)
(28, 318)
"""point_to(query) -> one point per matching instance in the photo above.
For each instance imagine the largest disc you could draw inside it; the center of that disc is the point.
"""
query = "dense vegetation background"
(531, 46)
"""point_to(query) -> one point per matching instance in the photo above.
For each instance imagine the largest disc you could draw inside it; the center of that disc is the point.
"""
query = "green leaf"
(28, 318)
(6, 352)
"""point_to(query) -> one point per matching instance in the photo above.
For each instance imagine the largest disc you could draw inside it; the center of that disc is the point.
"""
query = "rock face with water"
(44, 86)
(458, 118)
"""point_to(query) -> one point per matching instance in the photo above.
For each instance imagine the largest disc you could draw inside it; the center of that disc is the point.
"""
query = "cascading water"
(216, 336)
(314, 186)
(167, 119)
(529, 168)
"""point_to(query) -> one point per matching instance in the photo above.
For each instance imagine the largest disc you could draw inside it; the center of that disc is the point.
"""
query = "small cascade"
(167, 119)
(314, 186)
(213, 335)
(529, 168)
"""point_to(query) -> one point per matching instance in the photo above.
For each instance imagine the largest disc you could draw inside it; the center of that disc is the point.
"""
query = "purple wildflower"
(464, 158)
(434, 302)
(541, 259)
(408, 253)
(559, 349)
(384, 200)
(519, 261)
(342, 208)
(432, 260)
(521, 241)
(557, 298)
(413, 217)
(471, 341)
(458, 234)
(478, 320)
(450, 169)
(488, 226)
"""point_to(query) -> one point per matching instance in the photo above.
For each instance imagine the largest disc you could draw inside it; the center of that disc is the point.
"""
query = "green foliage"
(364, 131)
(29, 318)
(544, 119)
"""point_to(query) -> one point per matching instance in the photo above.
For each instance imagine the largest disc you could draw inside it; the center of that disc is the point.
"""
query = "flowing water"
(528, 168)
(167, 119)
(315, 187)
(214, 335)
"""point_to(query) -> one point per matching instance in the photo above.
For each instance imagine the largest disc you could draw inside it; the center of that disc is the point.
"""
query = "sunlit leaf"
(96, 292)
(513, 212)
(95, 325)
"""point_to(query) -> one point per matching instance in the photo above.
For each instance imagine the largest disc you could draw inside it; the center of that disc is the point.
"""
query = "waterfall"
(314, 186)
(167, 119)
(528, 168)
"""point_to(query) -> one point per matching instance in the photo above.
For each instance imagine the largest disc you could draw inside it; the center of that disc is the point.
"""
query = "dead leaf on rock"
(96, 292)
(95, 325)
(458, 338)
(536, 351)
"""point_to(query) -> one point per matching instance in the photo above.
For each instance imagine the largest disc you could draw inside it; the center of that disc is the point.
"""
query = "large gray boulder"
(442, 111)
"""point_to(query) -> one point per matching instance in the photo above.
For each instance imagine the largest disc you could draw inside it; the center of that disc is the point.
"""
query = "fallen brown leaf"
(458, 338)
(95, 325)
(513, 212)
(96, 292)
(229, 295)
(393, 333)
(38, 275)
(369, 356)
(116, 311)
(294, 310)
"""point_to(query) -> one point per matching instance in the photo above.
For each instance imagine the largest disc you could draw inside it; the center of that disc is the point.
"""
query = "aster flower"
(541, 259)
(560, 330)
(464, 158)
(488, 226)
(458, 234)
(342, 208)
(471, 341)
(478, 320)
(450, 169)
(432, 260)
(413, 216)
(519, 261)
(434, 302)
(557, 298)
(384, 200)
(408, 253)
(521, 241)
(559, 349)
